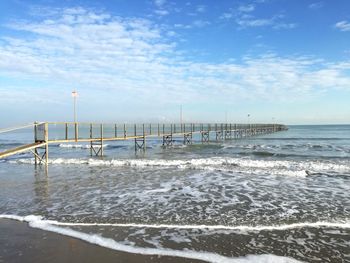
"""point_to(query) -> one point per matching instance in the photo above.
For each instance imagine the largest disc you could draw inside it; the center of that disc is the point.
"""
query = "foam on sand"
(39, 223)
(343, 224)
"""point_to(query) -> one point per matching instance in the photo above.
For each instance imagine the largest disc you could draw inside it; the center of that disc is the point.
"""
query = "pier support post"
(41, 135)
(187, 135)
(188, 138)
(168, 138)
(101, 127)
(35, 140)
(228, 135)
(205, 136)
(47, 143)
(140, 142)
(96, 147)
(219, 136)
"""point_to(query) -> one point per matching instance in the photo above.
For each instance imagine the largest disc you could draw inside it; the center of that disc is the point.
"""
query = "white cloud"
(285, 25)
(159, 3)
(201, 8)
(246, 8)
(135, 58)
(251, 22)
(195, 24)
(161, 12)
(200, 23)
(276, 22)
(245, 18)
(316, 5)
(226, 16)
(343, 25)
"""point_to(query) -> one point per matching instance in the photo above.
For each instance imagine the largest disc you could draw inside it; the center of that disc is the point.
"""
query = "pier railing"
(80, 131)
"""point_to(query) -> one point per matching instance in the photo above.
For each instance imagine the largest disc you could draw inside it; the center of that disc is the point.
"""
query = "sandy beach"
(21, 243)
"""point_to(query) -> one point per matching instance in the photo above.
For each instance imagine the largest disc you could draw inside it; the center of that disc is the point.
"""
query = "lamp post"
(248, 117)
(75, 95)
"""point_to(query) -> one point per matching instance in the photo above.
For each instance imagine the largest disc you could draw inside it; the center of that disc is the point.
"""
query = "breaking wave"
(275, 167)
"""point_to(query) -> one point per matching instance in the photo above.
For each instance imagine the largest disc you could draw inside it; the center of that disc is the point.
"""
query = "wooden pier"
(45, 133)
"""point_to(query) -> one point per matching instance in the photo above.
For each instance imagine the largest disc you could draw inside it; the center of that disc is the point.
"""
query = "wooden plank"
(22, 148)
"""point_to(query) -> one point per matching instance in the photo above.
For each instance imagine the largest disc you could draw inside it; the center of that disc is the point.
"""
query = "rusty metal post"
(66, 128)
(101, 139)
(35, 140)
(144, 137)
(46, 132)
(135, 134)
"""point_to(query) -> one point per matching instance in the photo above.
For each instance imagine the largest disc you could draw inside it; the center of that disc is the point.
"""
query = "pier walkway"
(45, 133)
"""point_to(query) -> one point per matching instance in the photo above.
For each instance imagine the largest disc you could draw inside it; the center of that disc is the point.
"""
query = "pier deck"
(46, 133)
(20, 149)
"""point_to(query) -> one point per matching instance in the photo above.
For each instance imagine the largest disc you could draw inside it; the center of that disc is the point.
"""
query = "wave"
(270, 149)
(283, 155)
(39, 223)
(79, 146)
(288, 167)
(341, 224)
(301, 139)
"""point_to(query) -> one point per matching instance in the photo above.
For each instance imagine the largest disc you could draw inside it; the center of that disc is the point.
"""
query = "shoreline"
(21, 243)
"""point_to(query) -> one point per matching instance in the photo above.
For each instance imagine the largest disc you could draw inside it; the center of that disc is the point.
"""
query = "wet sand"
(21, 243)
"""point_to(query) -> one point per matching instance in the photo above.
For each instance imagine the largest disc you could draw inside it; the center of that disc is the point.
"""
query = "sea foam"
(275, 167)
(39, 223)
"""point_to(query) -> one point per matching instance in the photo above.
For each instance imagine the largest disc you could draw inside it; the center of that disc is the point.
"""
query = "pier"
(46, 133)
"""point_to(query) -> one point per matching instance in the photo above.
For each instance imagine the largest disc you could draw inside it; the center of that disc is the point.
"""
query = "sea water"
(280, 197)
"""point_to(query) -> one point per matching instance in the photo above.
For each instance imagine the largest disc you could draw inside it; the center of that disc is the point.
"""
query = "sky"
(285, 61)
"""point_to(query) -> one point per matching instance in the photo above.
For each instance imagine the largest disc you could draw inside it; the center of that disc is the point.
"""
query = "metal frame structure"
(205, 136)
(140, 143)
(188, 138)
(72, 134)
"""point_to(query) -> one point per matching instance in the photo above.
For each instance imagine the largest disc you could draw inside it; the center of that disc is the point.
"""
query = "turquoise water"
(284, 194)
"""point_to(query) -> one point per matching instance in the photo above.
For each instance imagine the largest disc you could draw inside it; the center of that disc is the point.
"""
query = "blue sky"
(138, 61)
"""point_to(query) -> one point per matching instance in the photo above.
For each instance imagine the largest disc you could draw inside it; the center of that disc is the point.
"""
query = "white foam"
(345, 225)
(277, 167)
(37, 222)
(342, 224)
(79, 146)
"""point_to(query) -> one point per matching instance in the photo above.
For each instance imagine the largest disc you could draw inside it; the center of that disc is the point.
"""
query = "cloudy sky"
(138, 61)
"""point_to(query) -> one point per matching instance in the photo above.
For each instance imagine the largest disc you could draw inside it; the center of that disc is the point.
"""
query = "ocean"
(281, 197)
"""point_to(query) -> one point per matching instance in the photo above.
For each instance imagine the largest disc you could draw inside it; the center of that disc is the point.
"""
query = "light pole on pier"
(248, 120)
(75, 95)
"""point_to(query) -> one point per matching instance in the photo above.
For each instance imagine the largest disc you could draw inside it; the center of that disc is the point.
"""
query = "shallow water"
(284, 194)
